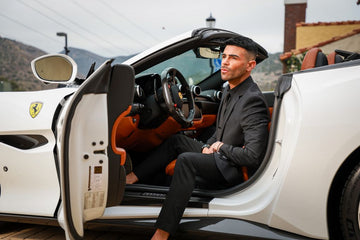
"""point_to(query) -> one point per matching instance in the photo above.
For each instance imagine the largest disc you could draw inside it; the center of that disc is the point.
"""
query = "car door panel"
(83, 151)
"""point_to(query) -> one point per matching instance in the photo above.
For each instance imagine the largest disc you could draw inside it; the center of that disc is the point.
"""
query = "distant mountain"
(15, 69)
(268, 72)
(265, 74)
(84, 59)
(16, 74)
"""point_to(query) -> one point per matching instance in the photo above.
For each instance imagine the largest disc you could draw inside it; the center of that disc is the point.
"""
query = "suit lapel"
(221, 124)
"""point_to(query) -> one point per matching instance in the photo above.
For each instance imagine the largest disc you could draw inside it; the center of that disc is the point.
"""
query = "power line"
(29, 28)
(75, 23)
(109, 25)
(59, 23)
(127, 19)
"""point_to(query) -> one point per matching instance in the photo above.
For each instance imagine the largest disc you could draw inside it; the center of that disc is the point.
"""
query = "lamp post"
(62, 34)
(210, 21)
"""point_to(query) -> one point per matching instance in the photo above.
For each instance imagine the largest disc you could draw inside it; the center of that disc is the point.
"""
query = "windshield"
(193, 68)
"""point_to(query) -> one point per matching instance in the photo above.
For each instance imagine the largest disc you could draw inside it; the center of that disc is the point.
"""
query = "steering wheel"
(174, 98)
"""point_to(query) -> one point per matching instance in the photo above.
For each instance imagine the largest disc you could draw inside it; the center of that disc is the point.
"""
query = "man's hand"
(213, 148)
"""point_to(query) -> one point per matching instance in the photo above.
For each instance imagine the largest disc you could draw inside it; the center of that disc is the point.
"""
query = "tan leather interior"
(127, 135)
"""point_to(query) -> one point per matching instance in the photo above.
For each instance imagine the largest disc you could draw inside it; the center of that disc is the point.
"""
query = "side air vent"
(24, 142)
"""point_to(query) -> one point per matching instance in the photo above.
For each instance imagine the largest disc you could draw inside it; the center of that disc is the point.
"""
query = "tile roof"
(287, 55)
(303, 24)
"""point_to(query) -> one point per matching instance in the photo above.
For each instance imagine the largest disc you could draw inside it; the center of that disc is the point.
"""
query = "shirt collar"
(239, 89)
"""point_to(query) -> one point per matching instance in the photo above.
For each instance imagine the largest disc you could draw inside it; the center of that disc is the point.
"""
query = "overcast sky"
(116, 27)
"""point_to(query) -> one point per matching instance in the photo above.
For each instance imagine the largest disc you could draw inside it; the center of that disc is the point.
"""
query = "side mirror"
(54, 68)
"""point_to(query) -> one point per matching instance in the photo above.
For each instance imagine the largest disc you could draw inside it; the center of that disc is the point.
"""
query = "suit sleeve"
(254, 122)
(212, 139)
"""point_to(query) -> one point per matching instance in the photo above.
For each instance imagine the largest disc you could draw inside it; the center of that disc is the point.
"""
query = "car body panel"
(326, 133)
(305, 140)
(30, 185)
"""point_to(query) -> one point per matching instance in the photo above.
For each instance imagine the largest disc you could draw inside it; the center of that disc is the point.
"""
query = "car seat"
(314, 58)
(334, 58)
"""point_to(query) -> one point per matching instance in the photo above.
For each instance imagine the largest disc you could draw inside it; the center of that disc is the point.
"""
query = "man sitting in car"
(240, 140)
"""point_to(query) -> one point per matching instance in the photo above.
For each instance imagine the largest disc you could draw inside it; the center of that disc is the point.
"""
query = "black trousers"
(152, 169)
(189, 167)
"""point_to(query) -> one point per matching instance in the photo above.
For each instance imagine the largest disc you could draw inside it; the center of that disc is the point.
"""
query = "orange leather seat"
(314, 58)
(169, 170)
(334, 58)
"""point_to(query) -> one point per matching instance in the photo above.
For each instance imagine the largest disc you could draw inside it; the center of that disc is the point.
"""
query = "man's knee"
(185, 160)
(184, 166)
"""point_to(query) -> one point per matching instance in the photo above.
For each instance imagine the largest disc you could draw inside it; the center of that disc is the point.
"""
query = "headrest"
(334, 58)
(314, 58)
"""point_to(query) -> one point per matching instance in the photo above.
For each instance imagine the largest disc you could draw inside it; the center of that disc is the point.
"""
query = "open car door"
(85, 150)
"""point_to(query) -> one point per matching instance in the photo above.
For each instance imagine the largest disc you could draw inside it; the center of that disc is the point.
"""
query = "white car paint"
(30, 185)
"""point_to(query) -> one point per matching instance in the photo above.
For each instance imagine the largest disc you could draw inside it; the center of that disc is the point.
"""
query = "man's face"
(236, 64)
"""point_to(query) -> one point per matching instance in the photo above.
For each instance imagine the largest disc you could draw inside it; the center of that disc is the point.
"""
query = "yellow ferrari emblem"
(180, 95)
(35, 108)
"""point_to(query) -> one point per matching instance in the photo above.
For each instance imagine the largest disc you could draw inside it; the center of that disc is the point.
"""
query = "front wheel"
(350, 206)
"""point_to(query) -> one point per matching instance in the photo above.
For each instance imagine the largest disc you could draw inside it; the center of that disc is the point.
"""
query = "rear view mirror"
(207, 52)
(54, 68)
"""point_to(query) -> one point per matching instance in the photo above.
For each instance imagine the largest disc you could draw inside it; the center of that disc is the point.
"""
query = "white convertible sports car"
(64, 153)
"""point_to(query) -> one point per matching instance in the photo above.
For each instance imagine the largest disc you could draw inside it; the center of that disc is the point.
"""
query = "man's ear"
(251, 65)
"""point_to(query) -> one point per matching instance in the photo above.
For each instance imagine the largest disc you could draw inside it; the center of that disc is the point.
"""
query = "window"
(193, 68)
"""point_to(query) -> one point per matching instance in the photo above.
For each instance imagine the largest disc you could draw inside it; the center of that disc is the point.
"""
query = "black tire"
(350, 206)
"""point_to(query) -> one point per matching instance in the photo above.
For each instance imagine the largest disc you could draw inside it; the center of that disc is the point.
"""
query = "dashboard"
(150, 105)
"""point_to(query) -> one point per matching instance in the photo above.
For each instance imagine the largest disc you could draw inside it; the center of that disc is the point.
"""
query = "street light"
(62, 34)
(210, 21)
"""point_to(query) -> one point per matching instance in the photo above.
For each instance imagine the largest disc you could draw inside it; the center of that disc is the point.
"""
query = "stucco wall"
(351, 44)
(307, 36)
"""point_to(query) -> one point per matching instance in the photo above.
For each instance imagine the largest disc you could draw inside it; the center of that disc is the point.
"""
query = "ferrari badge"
(35, 108)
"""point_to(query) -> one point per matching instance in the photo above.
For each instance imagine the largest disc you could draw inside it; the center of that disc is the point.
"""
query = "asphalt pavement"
(20, 231)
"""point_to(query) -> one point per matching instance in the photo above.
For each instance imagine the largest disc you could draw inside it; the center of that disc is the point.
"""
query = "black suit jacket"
(244, 131)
